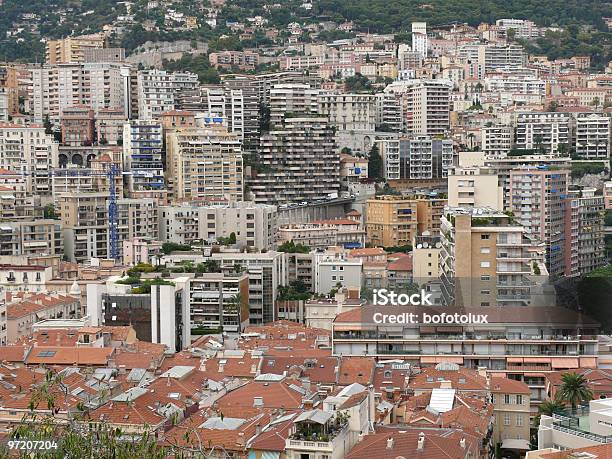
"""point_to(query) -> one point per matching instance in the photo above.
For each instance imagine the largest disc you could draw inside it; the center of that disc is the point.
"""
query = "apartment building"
(474, 187)
(334, 269)
(72, 49)
(219, 301)
(254, 225)
(425, 158)
(349, 112)
(389, 112)
(395, 221)
(426, 258)
(4, 105)
(538, 199)
(292, 100)
(32, 152)
(77, 126)
(31, 237)
(517, 342)
(428, 112)
(228, 104)
(503, 166)
(242, 60)
(512, 411)
(158, 313)
(109, 125)
(84, 218)
(322, 234)
(302, 154)
(607, 194)
(544, 133)
(22, 313)
(419, 38)
(592, 136)
(523, 28)
(204, 163)
(497, 140)
(15, 201)
(25, 278)
(142, 158)
(584, 232)
(486, 259)
(494, 56)
(266, 271)
(96, 84)
(389, 150)
(157, 91)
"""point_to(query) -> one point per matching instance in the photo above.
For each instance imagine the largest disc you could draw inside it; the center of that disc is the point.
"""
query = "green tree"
(574, 390)
(292, 247)
(375, 164)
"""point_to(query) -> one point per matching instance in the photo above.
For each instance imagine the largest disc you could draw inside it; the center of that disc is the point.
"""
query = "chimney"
(482, 371)
(306, 385)
(390, 443)
(462, 443)
(446, 384)
(421, 442)
(308, 404)
(258, 430)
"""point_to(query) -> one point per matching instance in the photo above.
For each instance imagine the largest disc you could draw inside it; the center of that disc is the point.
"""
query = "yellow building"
(70, 50)
(396, 220)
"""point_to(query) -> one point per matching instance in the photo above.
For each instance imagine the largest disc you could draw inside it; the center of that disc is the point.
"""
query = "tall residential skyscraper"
(204, 163)
(419, 38)
(485, 259)
(537, 200)
(158, 90)
(142, 158)
(297, 162)
(429, 107)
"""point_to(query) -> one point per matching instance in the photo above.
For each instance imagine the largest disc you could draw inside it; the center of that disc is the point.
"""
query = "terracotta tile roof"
(273, 437)
(463, 379)
(73, 356)
(356, 369)
(437, 445)
(508, 386)
(400, 263)
(317, 369)
(274, 395)
(241, 367)
(53, 337)
(14, 353)
(367, 252)
(125, 413)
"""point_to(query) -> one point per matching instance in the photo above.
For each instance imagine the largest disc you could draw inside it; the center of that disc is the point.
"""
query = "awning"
(512, 443)
(566, 362)
(588, 362)
(515, 360)
(346, 327)
(449, 329)
(427, 329)
(442, 358)
(534, 375)
(536, 360)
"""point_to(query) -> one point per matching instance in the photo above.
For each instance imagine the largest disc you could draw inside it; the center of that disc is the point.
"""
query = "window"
(484, 236)
(333, 278)
(493, 398)
(507, 399)
(506, 419)
(519, 420)
(485, 264)
(485, 250)
(485, 278)
(519, 399)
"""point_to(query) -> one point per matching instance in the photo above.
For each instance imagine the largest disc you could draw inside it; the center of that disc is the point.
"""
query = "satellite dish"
(419, 246)
(438, 245)
(425, 244)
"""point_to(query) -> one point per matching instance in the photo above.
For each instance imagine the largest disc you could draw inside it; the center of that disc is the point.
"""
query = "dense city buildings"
(296, 230)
